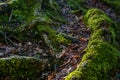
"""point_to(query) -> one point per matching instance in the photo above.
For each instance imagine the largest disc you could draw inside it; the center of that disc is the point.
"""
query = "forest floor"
(71, 54)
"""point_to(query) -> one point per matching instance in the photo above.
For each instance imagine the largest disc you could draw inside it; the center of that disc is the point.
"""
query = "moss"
(96, 18)
(38, 17)
(55, 38)
(20, 67)
(97, 63)
(22, 9)
(92, 12)
(100, 57)
(97, 35)
(105, 35)
(99, 20)
(75, 75)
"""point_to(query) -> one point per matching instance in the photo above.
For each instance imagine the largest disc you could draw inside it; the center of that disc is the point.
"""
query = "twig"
(10, 16)
(6, 38)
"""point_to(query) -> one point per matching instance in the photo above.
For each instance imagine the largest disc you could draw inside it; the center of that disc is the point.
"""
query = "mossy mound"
(100, 57)
(97, 63)
(100, 24)
(20, 67)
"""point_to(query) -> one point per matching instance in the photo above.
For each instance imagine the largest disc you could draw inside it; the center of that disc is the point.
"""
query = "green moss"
(97, 35)
(19, 67)
(55, 38)
(97, 63)
(101, 57)
(75, 75)
(22, 9)
(37, 16)
(92, 12)
(98, 20)
(105, 35)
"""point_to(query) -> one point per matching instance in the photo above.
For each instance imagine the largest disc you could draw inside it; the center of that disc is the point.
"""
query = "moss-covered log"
(100, 57)
(20, 67)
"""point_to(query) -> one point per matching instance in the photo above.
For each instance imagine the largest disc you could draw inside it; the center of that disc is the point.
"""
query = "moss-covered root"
(101, 57)
(20, 68)
(101, 25)
(97, 63)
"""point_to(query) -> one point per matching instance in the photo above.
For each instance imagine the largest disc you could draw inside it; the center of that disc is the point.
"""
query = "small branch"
(10, 16)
